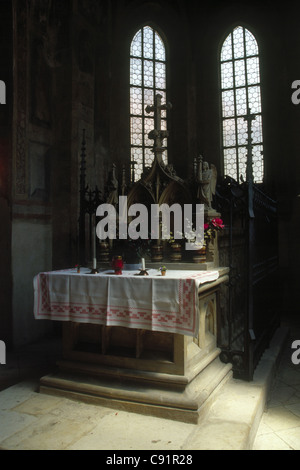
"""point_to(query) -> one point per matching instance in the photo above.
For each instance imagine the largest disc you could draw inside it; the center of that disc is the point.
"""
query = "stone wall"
(71, 71)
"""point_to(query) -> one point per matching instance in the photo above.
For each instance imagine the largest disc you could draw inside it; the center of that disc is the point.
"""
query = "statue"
(207, 181)
(113, 185)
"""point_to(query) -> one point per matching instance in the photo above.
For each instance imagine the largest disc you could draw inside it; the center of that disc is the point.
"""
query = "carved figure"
(113, 185)
(207, 179)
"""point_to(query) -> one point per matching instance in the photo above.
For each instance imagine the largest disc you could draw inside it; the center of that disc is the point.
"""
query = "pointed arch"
(148, 76)
(240, 90)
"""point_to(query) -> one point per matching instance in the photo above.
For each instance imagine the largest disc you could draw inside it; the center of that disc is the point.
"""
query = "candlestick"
(143, 271)
(93, 238)
(94, 253)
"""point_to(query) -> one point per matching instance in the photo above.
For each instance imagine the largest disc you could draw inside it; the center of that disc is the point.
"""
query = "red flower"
(217, 223)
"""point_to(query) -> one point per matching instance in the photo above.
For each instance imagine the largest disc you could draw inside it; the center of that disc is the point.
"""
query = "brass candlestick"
(143, 272)
(94, 271)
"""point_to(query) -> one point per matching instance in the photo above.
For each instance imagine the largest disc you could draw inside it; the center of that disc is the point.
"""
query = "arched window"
(147, 78)
(240, 91)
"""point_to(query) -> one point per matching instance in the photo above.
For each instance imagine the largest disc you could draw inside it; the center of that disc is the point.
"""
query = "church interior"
(176, 102)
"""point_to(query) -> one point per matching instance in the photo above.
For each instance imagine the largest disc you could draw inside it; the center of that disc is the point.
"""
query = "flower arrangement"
(163, 270)
(210, 228)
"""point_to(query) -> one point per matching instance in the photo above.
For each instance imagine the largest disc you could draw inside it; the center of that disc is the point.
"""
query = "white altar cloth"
(154, 302)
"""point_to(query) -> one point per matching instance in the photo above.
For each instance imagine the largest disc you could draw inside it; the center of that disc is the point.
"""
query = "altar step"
(156, 394)
(35, 421)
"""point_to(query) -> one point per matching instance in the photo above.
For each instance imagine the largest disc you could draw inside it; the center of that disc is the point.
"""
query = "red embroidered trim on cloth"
(183, 321)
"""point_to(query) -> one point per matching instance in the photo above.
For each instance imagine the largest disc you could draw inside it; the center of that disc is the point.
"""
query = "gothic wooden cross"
(157, 134)
(249, 173)
(132, 165)
(249, 118)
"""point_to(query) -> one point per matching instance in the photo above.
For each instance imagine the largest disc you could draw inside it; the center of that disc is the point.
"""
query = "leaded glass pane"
(136, 72)
(136, 45)
(238, 43)
(257, 130)
(148, 97)
(241, 101)
(251, 44)
(228, 103)
(254, 99)
(160, 53)
(160, 75)
(227, 75)
(239, 69)
(242, 159)
(253, 71)
(136, 101)
(258, 162)
(242, 134)
(226, 53)
(229, 129)
(148, 73)
(137, 161)
(148, 126)
(164, 125)
(136, 131)
(148, 156)
(230, 167)
(163, 95)
(148, 42)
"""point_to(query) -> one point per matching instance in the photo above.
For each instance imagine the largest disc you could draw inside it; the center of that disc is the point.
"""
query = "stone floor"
(242, 417)
(279, 428)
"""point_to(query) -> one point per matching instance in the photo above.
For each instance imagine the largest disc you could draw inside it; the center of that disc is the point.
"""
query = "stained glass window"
(240, 91)
(147, 78)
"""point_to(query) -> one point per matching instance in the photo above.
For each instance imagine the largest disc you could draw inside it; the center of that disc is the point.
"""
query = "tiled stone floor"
(279, 428)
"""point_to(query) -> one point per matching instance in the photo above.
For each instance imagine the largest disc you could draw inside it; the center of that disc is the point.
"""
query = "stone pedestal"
(158, 373)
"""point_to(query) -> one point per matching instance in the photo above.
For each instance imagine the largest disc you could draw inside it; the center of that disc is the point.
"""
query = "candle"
(94, 243)
(143, 264)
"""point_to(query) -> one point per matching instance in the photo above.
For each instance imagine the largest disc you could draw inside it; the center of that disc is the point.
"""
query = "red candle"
(118, 264)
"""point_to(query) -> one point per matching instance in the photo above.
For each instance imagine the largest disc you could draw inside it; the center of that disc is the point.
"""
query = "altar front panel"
(166, 304)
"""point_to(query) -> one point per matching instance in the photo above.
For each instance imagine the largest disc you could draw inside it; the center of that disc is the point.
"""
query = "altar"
(141, 343)
(145, 343)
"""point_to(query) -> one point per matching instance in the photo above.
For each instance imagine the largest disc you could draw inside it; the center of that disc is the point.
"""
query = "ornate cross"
(132, 165)
(157, 134)
(249, 118)
(249, 174)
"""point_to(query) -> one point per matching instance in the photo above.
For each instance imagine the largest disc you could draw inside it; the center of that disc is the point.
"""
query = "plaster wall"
(31, 254)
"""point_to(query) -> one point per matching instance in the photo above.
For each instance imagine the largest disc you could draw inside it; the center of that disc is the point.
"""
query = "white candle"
(94, 243)
(143, 264)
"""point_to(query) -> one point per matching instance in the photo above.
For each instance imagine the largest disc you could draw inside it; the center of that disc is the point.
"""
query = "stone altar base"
(157, 373)
(157, 394)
